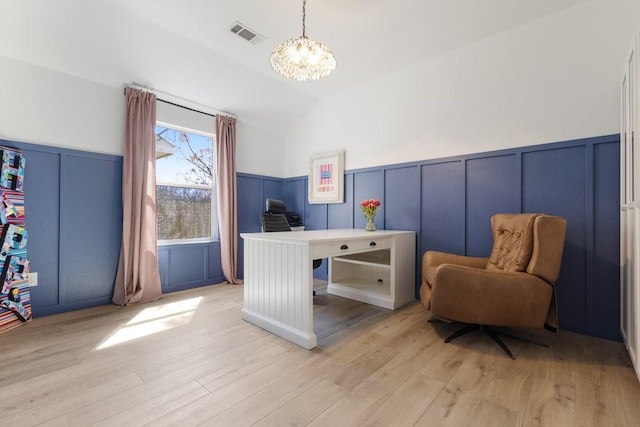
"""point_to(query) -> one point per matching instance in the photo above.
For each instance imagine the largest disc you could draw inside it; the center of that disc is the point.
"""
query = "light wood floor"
(201, 364)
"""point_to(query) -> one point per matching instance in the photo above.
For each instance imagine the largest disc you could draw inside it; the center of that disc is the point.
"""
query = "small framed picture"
(326, 178)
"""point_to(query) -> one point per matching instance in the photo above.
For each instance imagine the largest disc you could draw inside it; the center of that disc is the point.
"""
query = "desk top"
(322, 236)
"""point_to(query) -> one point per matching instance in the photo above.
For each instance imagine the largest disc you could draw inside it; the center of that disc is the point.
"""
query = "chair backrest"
(275, 206)
(274, 222)
(548, 244)
(528, 242)
(512, 242)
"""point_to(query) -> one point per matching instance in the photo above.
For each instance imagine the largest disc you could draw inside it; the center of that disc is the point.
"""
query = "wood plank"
(406, 405)
(629, 392)
(276, 398)
(55, 405)
(304, 407)
(456, 404)
(551, 405)
(212, 404)
(153, 409)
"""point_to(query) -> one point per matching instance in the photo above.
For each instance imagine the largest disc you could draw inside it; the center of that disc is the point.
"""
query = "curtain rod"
(181, 102)
(185, 108)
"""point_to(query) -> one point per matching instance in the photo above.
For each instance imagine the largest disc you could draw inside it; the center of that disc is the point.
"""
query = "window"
(185, 184)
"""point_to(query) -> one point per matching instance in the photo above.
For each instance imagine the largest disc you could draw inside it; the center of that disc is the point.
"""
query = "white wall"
(44, 106)
(182, 117)
(50, 108)
(552, 80)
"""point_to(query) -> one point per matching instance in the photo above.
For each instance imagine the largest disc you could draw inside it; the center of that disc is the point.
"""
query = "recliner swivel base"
(472, 327)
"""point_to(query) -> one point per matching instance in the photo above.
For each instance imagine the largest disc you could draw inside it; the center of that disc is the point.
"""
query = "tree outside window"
(185, 184)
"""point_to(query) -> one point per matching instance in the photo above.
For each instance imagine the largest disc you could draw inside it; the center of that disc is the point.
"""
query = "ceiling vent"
(246, 33)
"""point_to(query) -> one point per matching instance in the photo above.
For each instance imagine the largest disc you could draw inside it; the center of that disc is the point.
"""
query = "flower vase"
(371, 226)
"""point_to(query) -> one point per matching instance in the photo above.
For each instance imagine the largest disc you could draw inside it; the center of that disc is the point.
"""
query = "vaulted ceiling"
(185, 47)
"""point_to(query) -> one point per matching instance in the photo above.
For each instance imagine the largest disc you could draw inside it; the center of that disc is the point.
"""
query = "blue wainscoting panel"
(605, 310)
(273, 189)
(368, 184)
(73, 209)
(492, 186)
(253, 190)
(315, 217)
(295, 195)
(250, 203)
(443, 207)
(186, 264)
(402, 212)
(214, 269)
(42, 213)
(340, 214)
(189, 265)
(554, 182)
(90, 205)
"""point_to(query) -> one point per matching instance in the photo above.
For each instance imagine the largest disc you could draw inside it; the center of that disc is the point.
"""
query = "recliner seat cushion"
(512, 242)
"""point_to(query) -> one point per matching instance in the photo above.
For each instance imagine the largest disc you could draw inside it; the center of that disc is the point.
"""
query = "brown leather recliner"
(514, 287)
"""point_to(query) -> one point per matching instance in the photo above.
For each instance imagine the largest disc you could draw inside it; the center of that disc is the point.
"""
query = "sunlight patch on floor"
(153, 320)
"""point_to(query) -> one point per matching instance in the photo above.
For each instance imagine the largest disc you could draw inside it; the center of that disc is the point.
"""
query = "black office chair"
(274, 222)
(275, 219)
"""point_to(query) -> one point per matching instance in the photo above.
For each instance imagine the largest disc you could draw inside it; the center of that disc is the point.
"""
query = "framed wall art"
(326, 178)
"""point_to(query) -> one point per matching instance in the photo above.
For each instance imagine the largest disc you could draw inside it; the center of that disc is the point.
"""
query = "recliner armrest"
(432, 259)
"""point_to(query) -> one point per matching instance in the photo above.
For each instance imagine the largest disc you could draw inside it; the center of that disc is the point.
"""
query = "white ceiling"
(185, 48)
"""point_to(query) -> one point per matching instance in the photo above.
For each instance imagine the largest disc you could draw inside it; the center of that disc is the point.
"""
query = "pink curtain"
(227, 195)
(138, 276)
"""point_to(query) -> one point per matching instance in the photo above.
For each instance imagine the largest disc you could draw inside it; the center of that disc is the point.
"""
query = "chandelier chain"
(304, 14)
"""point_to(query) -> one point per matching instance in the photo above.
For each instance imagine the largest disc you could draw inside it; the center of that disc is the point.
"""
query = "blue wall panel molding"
(340, 215)
(189, 265)
(499, 175)
(253, 191)
(441, 226)
(604, 298)
(295, 194)
(448, 203)
(42, 209)
(90, 189)
(73, 206)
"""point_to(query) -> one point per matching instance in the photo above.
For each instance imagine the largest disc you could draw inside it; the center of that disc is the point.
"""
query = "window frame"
(215, 235)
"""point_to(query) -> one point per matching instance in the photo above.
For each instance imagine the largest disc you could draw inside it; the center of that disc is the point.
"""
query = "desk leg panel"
(296, 336)
(278, 289)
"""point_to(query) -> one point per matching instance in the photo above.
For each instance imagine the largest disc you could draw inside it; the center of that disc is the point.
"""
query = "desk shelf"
(381, 257)
(375, 277)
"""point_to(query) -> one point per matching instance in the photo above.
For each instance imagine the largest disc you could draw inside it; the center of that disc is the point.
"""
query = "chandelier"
(302, 58)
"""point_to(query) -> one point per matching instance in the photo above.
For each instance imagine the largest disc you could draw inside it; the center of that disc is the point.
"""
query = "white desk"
(374, 267)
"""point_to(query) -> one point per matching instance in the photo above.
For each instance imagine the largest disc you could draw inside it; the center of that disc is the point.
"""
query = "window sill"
(164, 243)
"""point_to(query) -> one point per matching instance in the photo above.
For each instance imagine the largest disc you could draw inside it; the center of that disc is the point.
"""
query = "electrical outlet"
(33, 279)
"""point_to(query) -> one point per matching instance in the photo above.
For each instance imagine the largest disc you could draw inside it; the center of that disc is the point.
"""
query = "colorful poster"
(15, 296)
(11, 169)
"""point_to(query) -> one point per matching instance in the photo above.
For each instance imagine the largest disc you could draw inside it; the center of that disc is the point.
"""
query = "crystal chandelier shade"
(303, 59)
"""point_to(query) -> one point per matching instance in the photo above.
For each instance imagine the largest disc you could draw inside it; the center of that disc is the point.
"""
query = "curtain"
(138, 276)
(227, 195)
